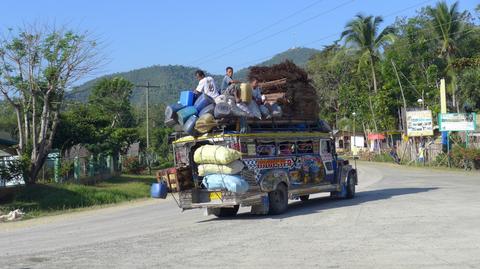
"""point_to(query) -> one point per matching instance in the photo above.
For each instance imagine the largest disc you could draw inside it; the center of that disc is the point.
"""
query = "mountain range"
(169, 80)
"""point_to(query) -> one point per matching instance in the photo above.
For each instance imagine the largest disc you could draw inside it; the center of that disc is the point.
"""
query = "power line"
(406, 45)
(259, 31)
(281, 31)
(338, 33)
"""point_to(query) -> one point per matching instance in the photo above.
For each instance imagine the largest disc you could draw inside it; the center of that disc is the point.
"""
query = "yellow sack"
(232, 168)
(205, 123)
(215, 155)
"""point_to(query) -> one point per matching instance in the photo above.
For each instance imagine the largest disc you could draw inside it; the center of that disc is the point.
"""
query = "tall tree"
(364, 35)
(111, 96)
(448, 24)
(37, 65)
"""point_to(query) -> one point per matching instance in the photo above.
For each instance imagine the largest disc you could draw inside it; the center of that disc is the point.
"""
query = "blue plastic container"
(185, 113)
(171, 109)
(187, 98)
(189, 126)
(159, 190)
(208, 109)
(171, 114)
(202, 101)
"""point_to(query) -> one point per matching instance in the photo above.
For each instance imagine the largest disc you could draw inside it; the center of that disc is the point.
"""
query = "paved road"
(400, 218)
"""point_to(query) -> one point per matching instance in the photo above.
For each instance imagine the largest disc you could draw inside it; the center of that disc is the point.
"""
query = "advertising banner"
(457, 121)
(419, 123)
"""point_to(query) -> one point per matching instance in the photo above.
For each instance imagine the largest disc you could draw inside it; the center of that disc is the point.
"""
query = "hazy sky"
(208, 34)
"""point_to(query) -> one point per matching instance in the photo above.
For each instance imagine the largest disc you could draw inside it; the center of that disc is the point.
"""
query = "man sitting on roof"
(205, 85)
(256, 91)
(228, 80)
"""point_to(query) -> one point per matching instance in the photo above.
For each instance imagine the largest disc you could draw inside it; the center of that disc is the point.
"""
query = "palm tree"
(448, 24)
(363, 33)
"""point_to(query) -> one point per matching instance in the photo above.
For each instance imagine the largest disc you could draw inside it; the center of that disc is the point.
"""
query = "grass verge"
(44, 199)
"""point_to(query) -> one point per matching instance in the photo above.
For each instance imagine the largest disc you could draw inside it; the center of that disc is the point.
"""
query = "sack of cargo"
(244, 109)
(208, 109)
(222, 110)
(232, 168)
(240, 110)
(215, 155)
(185, 113)
(232, 183)
(202, 101)
(224, 99)
(205, 123)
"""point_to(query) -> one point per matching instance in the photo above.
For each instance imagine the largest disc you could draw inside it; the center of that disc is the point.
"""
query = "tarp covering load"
(296, 96)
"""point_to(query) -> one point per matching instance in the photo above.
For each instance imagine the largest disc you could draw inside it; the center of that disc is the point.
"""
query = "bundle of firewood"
(291, 85)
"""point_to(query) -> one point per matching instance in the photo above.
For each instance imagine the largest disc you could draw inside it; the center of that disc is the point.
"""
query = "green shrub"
(133, 165)
(383, 157)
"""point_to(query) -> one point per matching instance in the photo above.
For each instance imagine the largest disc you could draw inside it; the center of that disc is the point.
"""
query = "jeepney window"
(266, 148)
(304, 147)
(286, 148)
(325, 147)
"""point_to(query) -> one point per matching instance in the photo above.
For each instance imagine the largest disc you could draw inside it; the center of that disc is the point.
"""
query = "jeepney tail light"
(235, 146)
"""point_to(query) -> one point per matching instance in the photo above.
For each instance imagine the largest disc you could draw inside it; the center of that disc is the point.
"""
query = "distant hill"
(174, 78)
(171, 78)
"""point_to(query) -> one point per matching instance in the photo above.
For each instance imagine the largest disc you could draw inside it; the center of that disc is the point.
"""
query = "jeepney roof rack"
(259, 126)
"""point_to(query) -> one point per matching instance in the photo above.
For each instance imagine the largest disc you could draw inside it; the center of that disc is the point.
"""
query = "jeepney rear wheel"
(350, 186)
(225, 212)
(304, 198)
(278, 200)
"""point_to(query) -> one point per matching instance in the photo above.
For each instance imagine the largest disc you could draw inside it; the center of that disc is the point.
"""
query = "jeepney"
(279, 165)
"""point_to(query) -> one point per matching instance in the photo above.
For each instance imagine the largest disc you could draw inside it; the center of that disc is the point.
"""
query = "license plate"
(215, 196)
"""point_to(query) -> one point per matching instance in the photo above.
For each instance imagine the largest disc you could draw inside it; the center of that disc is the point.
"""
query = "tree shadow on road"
(316, 205)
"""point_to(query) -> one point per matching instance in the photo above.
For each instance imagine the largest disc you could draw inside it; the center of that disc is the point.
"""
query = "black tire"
(278, 200)
(304, 198)
(350, 186)
(225, 212)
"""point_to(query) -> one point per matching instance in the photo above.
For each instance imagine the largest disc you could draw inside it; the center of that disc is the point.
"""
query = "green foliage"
(111, 99)
(345, 75)
(383, 157)
(66, 168)
(37, 64)
(8, 120)
(13, 170)
(42, 199)
(133, 165)
(106, 124)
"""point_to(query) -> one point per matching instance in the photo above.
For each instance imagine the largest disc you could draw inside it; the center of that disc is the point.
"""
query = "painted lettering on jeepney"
(301, 169)
(274, 163)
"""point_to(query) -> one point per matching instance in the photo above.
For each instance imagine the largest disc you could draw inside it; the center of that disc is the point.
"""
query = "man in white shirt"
(205, 85)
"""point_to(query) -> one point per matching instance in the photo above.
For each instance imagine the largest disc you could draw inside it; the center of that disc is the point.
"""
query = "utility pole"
(146, 112)
(147, 116)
